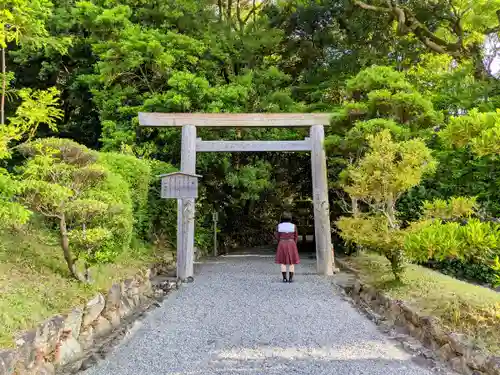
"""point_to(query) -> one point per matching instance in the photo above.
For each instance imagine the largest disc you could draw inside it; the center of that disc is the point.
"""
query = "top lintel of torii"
(235, 120)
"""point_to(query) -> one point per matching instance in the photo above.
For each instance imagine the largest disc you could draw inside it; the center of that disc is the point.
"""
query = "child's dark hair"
(286, 217)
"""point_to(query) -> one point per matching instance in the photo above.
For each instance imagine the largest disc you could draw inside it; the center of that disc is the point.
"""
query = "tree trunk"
(397, 260)
(4, 89)
(391, 213)
(221, 10)
(396, 256)
(65, 247)
(355, 207)
(355, 213)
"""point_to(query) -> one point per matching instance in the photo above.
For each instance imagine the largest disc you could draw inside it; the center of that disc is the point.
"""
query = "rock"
(48, 334)
(459, 365)
(93, 309)
(438, 334)
(69, 350)
(102, 327)
(394, 310)
(380, 309)
(428, 340)
(73, 367)
(460, 344)
(427, 321)
(383, 299)
(145, 290)
(26, 349)
(420, 334)
(131, 290)
(126, 307)
(127, 284)
(376, 318)
(166, 286)
(45, 369)
(159, 294)
(366, 297)
(410, 315)
(34, 345)
(357, 287)
(423, 361)
(493, 366)
(477, 360)
(86, 338)
(371, 291)
(113, 317)
(8, 360)
(113, 298)
(411, 329)
(88, 363)
(411, 345)
(73, 322)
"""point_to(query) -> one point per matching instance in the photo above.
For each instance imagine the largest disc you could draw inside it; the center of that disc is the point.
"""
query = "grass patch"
(460, 306)
(35, 283)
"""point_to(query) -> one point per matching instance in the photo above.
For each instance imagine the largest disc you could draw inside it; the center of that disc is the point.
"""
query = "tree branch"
(371, 7)
(407, 22)
(495, 29)
(254, 10)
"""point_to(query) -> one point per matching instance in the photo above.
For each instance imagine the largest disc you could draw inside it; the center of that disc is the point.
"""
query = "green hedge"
(115, 191)
(479, 272)
(162, 213)
(136, 173)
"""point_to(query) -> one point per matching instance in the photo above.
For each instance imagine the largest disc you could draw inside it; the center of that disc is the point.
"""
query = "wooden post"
(322, 228)
(215, 217)
(186, 208)
(181, 255)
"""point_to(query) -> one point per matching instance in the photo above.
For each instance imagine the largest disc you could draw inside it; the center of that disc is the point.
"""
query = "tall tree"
(456, 28)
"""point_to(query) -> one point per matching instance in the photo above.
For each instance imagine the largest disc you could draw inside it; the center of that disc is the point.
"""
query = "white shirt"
(286, 228)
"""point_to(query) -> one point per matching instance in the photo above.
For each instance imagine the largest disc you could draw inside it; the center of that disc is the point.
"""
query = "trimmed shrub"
(137, 174)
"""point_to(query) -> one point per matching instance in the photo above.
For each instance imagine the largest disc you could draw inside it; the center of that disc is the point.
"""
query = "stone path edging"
(74, 341)
(453, 348)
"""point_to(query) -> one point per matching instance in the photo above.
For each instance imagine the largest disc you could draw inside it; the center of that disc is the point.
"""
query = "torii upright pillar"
(322, 231)
(186, 208)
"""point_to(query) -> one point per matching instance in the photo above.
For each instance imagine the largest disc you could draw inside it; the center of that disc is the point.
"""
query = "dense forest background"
(82, 70)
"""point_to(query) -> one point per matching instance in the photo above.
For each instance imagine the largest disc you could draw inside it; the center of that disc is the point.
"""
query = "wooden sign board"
(179, 185)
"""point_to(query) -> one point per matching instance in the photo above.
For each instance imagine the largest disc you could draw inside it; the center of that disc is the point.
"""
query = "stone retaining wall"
(455, 349)
(64, 341)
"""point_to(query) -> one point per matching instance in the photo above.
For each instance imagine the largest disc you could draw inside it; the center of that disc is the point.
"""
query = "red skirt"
(287, 252)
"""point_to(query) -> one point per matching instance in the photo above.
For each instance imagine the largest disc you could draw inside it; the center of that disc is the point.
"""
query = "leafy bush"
(472, 271)
(63, 181)
(379, 179)
(115, 191)
(496, 270)
(454, 208)
(137, 174)
(162, 214)
(480, 131)
(161, 221)
(465, 247)
(440, 241)
(375, 233)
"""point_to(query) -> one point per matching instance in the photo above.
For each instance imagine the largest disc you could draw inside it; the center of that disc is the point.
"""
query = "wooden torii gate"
(191, 145)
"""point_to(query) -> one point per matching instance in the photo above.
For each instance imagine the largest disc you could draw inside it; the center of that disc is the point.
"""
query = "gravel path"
(239, 318)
